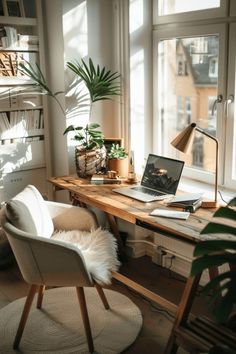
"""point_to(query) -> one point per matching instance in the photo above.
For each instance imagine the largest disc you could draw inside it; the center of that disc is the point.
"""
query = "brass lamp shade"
(183, 141)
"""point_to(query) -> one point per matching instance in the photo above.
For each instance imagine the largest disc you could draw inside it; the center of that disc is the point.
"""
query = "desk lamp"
(183, 143)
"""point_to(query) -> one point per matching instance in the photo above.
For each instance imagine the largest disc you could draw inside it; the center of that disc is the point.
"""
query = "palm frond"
(36, 75)
(213, 253)
(101, 83)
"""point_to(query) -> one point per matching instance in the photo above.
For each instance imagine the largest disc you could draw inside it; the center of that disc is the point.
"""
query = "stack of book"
(189, 202)
(8, 37)
(28, 41)
(104, 179)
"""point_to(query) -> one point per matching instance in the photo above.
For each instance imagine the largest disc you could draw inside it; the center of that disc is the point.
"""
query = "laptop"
(160, 180)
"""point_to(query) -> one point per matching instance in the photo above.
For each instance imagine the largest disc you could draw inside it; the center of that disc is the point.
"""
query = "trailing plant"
(213, 253)
(117, 152)
(88, 137)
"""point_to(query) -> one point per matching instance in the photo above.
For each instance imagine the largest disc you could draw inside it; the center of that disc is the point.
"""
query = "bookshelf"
(24, 129)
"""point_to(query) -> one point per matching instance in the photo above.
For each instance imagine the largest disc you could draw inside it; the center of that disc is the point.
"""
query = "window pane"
(187, 89)
(167, 7)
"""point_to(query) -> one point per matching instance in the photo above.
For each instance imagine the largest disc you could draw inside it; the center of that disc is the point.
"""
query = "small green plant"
(117, 152)
(89, 137)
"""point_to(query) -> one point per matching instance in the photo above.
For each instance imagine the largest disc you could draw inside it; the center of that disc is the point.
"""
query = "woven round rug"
(58, 328)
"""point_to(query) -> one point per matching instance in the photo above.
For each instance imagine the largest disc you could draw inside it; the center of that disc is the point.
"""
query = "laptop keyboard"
(147, 191)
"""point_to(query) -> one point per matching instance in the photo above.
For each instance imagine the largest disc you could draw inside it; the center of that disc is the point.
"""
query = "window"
(213, 67)
(184, 96)
(197, 152)
(166, 7)
(185, 10)
(193, 65)
(180, 124)
(196, 87)
(212, 115)
(188, 111)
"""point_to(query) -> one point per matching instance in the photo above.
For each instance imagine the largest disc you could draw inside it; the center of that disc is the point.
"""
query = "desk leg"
(114, 228)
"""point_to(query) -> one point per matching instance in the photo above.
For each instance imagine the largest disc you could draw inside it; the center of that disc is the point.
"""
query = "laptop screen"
(162, 173)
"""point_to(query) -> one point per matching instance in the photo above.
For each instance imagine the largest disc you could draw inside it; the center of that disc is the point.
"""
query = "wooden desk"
(135, 212)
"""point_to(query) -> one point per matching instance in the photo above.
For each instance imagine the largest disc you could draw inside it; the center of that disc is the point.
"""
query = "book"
(185, 199)
(104, 179)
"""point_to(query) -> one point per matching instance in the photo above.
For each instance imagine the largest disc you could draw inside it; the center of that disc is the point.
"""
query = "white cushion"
(28, 212)
(99, 250)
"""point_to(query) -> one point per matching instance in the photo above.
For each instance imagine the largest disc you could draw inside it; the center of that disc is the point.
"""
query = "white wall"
(141, 74)
(54, 61)
(88, 32)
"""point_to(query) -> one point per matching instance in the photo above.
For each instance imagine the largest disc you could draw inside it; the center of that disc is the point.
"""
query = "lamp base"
(210, 204)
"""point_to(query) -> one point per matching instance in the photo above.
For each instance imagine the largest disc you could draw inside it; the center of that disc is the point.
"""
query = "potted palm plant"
(117, 160)
(101, 84)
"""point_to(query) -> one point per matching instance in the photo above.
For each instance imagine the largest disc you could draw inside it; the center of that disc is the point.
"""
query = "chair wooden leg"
(40, 296)
(84, 313)
(171, 347)
(102, 296)
(24, 316)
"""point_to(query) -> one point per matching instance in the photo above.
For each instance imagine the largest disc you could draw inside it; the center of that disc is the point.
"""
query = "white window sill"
(191, 186)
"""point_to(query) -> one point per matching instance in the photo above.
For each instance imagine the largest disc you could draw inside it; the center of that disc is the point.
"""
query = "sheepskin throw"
(99, 249)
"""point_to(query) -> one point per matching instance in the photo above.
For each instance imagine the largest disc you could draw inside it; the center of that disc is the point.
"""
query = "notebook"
(160, 180)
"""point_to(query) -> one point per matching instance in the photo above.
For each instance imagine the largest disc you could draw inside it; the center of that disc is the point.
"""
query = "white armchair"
(44, 261)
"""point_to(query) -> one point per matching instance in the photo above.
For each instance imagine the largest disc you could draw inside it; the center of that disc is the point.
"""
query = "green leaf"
(206, 262)
(69, 129)
(232, 202)
(208, 246)
(216, 228)
(93, 125)
(225, 212)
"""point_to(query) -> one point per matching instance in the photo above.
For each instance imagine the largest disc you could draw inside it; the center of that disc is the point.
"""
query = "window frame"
(184, 31)
(192, 15)
(231, 116)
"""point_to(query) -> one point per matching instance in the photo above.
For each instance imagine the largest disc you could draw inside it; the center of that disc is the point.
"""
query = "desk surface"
(133, 211)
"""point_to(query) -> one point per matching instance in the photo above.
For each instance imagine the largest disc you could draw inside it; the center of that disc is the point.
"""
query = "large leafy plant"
(88, 137)
(101, 83)
(216, 252)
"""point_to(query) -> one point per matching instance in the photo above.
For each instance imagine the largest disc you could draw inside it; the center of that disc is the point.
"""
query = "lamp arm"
(217, 158)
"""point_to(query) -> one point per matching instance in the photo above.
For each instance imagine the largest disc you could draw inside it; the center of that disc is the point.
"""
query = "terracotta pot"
(119, 165)
(89, 162)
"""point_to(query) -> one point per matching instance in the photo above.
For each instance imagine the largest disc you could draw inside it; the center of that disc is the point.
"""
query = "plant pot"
(89, 162)
(119, 165)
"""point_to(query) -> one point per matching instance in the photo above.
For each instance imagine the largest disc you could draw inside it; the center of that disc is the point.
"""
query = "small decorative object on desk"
(112, 174)
(132, 178)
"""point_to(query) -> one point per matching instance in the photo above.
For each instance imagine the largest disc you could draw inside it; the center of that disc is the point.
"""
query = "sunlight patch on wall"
(75, 28)
(135, 15)
(15, 157)
(137, 122)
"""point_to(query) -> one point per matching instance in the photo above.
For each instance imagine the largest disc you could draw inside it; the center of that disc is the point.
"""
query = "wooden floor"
(156, 321)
